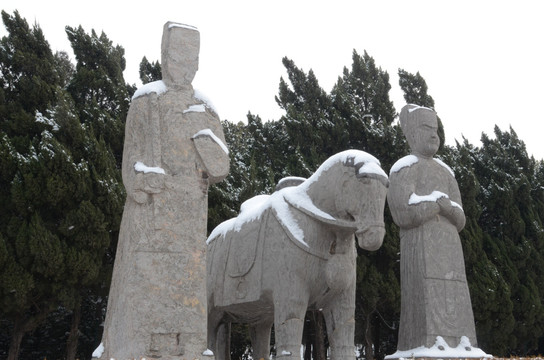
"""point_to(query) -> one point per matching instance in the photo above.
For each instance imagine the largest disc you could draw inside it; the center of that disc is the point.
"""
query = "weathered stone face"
(426, 204)
(420, 126)
(179, 55)
(174, 148)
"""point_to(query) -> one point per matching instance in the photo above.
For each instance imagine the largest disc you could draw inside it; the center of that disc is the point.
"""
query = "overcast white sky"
(483, 60)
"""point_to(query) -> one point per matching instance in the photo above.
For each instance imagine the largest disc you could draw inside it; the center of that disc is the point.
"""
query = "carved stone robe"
(435, 299)
(157, 303)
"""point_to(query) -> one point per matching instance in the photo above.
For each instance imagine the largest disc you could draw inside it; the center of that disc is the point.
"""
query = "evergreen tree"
(100, 93)
(307, 119)
(490, 293)
(60, 189)
(150, 72)
(511, 220)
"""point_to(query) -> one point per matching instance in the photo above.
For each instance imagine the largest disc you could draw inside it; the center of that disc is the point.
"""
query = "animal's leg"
(222, 341)
(260, 340)
(212, 333)
(288, 325)
(340, 320)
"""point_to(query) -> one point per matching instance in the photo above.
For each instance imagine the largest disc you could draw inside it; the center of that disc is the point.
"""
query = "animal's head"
(352, 188)
(362, 198)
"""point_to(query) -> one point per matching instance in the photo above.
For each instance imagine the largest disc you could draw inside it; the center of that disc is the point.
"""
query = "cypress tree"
(150, 72)
(514, 228)
(61, 192)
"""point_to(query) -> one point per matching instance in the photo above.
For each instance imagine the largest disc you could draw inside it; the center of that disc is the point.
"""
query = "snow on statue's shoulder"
(158, 87)
(406, 161)
(441, 349)
(445, 166)
(204, 98)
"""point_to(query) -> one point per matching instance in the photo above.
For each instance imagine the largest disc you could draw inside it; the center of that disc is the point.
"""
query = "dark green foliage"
(61, 189)
(513, 225)
(99, 91)
(150, 72)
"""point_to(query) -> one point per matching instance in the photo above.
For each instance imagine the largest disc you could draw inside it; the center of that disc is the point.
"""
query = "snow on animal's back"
(254, 207)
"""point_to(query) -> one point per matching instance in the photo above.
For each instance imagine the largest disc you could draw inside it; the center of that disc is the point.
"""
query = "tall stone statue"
(426, 204)
(174, 148)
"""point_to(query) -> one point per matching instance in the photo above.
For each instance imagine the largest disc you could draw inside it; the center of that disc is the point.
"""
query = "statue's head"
(420, 126)
(179, 53)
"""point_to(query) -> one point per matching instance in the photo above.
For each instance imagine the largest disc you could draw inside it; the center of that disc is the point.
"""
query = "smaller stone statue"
(425, 202)
(174, 148)
(295, 250)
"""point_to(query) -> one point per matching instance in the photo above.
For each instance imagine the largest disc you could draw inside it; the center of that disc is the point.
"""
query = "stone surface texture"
(262, 272)
(426, 204)
(157, 302)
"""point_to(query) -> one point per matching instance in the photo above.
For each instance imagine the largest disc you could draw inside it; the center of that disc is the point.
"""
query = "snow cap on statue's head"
(411, 116)
(179, 53)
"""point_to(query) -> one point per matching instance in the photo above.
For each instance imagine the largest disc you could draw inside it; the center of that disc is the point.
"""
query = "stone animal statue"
(292, 251)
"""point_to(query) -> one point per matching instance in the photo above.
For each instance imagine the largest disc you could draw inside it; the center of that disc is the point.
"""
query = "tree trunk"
(73, 337)
(21, 326)
(16, 339)
(369, 351)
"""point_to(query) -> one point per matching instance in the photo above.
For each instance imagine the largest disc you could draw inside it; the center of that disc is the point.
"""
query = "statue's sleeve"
(405, 214)
(134, 150)
(212, 149)
(457, 216)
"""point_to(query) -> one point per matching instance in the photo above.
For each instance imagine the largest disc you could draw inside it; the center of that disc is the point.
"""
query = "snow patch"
(418, 107)
(139, 166)
(180, 25)
(406, 161)
(432, 197)
(440, 349)
(40, 118)
(210, 133)
(158, 87)
(204, 98)
(195, 108)
(290, 178)
(97, 353)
